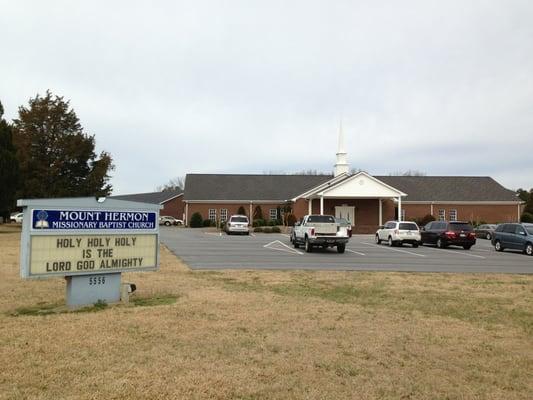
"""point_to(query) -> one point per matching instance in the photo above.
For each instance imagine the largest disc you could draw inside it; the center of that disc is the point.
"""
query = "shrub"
(259, 222)
(258, 229)
(267, 230)
(241, 211)
(276, 229)
(527, 217)
(291, 219)
(424, 220)
(274, 222)
(196, 220)
(222, 225)
(207, 222)
(258, 213)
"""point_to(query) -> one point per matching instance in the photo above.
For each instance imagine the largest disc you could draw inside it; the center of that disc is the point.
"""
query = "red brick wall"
(367, 211)
(488, 213)
(232, 208)
(174, 208)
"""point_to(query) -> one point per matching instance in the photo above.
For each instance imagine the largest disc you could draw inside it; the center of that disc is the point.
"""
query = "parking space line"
(287, 249)
(356, 252)
(214, 233)
(398, 250)
(284, 234)
(459, 253)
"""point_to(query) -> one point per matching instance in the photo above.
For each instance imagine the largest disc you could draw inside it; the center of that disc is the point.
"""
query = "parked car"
(485, 231)
(17, 218)
(397, 233)
(237, 224)
(514, 236)
(344, 225)
(444, 234)
(168, 220)
(319, 231)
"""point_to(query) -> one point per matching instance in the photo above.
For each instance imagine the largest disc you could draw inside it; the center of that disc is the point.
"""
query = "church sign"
(82, 237)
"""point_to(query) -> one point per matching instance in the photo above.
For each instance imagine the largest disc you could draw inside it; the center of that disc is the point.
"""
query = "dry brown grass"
(268, 335)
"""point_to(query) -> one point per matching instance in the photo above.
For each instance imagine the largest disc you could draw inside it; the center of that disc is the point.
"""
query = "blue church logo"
(42, 222)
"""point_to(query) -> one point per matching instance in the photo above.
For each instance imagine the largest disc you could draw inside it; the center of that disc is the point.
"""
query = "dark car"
(485, 231)
(514, 236)
(444, 234)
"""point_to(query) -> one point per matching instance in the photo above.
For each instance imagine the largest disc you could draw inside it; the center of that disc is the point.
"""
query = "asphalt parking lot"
(212, 250)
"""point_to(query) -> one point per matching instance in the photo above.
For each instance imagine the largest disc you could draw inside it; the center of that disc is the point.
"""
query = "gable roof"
(450, 188)
(249, 187)
(284, 187)
(152, 197)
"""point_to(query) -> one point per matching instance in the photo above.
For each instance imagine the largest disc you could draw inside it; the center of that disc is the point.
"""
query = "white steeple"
(342, 165)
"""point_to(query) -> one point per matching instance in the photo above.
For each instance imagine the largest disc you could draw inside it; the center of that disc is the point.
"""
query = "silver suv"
(398, 233)
(237, 224)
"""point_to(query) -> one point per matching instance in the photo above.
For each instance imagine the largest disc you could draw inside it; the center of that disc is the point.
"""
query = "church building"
(367, 201)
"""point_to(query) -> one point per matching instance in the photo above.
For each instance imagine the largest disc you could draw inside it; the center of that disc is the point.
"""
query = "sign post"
(90, 242)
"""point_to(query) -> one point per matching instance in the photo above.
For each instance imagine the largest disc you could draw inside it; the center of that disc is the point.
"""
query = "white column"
(380, 212)
(310, 207)
(186, 222)
(518, 220)
(321, 204)
(400, 208)
(251, 219)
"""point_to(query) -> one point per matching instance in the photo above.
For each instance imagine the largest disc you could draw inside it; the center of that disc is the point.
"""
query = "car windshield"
(321, 218)
(460, 226)
(239, 219)
(529, 229)
(408, 226)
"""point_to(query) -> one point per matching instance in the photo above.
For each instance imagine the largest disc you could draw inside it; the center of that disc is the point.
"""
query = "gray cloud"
(177, 87)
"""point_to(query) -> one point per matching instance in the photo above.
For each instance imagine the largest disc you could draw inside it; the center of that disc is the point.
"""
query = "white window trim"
(273, 211)
(452, 212)
(403, 214)
(443, 216)
(223, 214)
(212, 214)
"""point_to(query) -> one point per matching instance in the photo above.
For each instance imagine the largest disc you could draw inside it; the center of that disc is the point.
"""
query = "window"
(213, 214)
(223, 214)
(442, 215)
(453, 215)
(321, 218)
(273, 213)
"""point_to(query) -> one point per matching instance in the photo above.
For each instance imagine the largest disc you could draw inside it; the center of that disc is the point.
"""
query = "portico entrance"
(345, 212)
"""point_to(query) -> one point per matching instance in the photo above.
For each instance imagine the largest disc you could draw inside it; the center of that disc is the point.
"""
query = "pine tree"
(56, 157)
(9, 168)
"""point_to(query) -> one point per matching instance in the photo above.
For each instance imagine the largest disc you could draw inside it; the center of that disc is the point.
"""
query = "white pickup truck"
(319, 231)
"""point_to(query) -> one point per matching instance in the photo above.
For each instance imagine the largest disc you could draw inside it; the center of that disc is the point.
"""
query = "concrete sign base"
(85, 290)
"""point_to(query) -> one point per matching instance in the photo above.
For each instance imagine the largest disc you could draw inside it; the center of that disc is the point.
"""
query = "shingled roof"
(449, 188)
(249, 187)
(152, 197)
(284, 187)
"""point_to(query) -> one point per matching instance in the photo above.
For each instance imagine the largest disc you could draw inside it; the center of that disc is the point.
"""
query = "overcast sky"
(169, 87)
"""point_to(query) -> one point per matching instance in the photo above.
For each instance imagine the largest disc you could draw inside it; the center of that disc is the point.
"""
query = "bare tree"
(409, 172)
(177, 184)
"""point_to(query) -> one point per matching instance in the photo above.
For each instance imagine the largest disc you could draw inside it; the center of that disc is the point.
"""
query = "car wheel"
(341, 248)
(167, 223)
(488, 236)
(529, 249)
(415, 245)
(308, 246)
(378, 240)
(498, 246)
(467, 247)
(440, 243)
(390, 242)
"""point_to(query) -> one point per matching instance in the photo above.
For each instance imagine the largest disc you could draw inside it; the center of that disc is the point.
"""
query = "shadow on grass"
(52, 309)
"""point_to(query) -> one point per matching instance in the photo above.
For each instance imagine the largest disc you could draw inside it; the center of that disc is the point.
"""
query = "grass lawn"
(269, 335)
